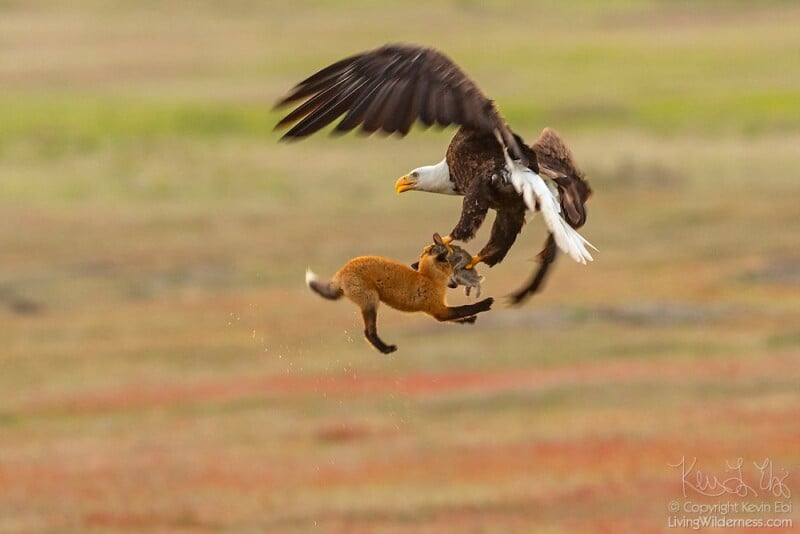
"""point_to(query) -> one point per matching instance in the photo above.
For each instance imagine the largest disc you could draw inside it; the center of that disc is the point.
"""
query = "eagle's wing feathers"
(556, 162)
(554, 154)
(388, 89)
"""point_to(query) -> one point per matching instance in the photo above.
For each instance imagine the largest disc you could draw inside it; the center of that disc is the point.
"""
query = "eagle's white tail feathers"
(532, 187)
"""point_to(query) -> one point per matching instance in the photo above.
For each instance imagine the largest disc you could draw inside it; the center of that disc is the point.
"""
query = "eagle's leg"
(507, 225)
(473, 212)
(546, 258)
(474, 262)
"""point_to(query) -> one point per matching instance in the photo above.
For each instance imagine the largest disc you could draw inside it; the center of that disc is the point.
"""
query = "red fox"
(369, 280)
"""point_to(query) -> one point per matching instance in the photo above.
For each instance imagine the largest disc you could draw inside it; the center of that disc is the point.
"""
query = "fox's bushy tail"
(330, 289)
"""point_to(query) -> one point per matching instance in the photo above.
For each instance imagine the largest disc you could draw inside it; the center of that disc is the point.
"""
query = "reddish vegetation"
(566, 481)
(342, 432)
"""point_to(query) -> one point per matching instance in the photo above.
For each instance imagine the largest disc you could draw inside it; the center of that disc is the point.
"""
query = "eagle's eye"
(415, 174)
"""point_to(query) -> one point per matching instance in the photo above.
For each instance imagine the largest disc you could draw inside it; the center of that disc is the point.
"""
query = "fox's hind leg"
(370, 315)
(367, 299)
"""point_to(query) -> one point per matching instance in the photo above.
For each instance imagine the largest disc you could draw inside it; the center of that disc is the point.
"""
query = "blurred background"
(164, 368)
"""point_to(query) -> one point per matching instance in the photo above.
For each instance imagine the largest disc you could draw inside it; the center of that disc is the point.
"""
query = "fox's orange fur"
(370, 280)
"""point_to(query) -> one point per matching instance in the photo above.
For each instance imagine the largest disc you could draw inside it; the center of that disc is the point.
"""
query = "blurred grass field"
(165, 369)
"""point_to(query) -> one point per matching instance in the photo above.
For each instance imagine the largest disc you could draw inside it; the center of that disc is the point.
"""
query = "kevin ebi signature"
(733, 481)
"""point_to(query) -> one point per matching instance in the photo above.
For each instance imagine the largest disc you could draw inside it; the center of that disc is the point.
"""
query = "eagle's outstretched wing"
(388, 89)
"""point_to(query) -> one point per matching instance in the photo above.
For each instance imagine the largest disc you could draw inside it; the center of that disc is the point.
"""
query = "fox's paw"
(486, 304)
(388, 349)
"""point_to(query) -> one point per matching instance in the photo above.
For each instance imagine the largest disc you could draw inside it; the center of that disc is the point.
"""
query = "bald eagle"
(391, 87)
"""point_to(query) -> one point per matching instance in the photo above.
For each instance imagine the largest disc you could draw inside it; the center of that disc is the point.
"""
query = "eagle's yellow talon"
(475, 261)
(447, 240)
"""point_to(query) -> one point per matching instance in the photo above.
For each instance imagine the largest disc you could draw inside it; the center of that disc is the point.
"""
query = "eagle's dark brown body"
(478, 169)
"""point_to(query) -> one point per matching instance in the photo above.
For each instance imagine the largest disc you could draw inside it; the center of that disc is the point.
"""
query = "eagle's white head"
(431, 178)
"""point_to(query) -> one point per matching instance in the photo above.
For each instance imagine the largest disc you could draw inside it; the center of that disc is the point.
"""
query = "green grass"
(162, 360)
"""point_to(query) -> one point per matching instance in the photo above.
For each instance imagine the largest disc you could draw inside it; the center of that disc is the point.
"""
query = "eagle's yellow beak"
(404, 184)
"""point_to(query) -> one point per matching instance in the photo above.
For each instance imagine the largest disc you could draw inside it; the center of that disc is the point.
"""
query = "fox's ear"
(438, 239)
